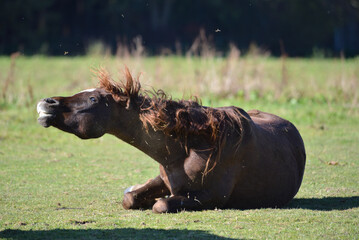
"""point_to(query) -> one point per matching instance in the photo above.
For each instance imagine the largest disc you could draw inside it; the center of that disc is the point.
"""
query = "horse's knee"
(161, 206)
(128, 201)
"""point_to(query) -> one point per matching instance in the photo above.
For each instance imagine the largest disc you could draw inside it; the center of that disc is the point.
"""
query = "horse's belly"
(261, 186)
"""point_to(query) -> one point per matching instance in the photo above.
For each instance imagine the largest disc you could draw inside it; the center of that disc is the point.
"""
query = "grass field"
(56, 186)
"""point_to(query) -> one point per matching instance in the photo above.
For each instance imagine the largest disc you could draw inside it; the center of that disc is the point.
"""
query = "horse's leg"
(175, 204)
(135, 187)
(144, 196)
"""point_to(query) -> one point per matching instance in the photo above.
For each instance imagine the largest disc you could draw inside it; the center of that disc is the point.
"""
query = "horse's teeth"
(38, 108)
(41, 111)
(44, 114)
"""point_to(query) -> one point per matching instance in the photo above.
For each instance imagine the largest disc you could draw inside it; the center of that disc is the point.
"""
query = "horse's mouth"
(45, 114)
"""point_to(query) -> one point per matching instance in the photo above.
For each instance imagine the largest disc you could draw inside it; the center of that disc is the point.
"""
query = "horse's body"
(209, 157)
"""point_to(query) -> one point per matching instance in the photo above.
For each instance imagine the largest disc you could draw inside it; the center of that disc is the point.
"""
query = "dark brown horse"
(209, 157)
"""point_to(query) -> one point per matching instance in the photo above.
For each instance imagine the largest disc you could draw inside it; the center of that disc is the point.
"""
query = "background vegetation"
(296, 27)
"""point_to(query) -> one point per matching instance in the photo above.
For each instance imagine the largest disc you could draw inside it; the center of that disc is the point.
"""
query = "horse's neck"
(162, 148)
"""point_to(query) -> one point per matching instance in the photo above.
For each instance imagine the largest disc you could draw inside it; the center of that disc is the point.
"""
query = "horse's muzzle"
(46, 110)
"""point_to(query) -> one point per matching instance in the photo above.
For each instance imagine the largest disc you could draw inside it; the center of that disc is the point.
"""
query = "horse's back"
(276, 126)
(280, 129)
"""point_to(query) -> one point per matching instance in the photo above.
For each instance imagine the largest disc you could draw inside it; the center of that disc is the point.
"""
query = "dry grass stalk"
(30, 93)
(10, 79)
(202, 46)
(230, 84)
(347, 84)
(138, 50)
(122, 50)
(284, 72)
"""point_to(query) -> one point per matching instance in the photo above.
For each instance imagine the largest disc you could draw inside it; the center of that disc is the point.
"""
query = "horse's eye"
(93, 99)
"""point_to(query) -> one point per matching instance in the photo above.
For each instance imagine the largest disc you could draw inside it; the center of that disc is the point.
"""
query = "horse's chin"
(45, 121)
(87, 136)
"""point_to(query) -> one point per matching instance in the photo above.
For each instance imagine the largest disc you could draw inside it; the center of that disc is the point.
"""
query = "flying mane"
(180, 119)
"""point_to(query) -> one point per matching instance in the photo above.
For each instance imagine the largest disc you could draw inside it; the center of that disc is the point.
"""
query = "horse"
(208, 157)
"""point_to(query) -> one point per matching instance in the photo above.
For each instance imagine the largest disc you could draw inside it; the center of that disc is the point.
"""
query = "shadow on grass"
(119, 233)
(325, 204)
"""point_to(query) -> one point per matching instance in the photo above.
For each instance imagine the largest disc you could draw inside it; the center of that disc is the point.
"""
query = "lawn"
(56, 186)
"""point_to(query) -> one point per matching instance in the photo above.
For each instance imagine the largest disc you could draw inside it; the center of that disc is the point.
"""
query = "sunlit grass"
(56, 186)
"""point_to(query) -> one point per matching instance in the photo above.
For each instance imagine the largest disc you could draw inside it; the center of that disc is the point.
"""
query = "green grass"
(56, 186)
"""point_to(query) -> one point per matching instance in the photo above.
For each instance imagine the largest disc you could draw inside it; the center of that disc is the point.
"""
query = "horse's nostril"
(50, 101)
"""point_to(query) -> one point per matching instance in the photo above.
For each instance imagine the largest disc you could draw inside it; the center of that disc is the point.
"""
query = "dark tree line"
(294, 26)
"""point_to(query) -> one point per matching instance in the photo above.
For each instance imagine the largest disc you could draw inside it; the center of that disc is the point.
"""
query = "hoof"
(160, 206)
(128, 201)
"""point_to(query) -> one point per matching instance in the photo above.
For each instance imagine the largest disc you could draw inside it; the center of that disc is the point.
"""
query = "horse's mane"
(180, 119)
(120, 90)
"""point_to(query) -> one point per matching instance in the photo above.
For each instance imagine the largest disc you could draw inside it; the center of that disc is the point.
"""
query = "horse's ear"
(120, 99)
(116, 99)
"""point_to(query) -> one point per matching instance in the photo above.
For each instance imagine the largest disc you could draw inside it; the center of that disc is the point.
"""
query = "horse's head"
(86, 114)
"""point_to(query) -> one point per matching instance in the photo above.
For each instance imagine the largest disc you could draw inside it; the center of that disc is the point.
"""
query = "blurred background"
(293, 27)
(298, 59)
